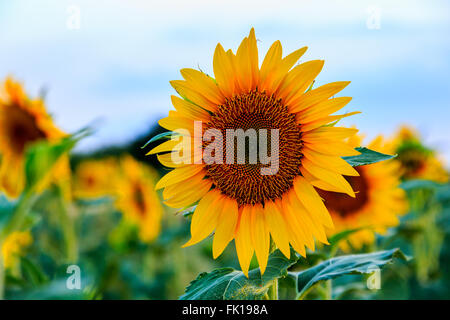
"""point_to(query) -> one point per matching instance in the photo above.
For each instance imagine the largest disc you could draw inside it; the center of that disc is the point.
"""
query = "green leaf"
(30, 221)
(335, 239)
(366, 157)
(42, 156)
(6, 210)
(164, 135)
(338, 237)
(231, 284)
(32, 273)
(343, 265)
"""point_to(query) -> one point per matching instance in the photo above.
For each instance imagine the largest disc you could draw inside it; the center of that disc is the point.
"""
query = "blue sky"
(116, 68)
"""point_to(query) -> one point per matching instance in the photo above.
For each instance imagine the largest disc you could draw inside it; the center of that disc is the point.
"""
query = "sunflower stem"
(273, 289)
(2, 272)
(328, 290)
(19, 214)
(13, 224)
(68, 228)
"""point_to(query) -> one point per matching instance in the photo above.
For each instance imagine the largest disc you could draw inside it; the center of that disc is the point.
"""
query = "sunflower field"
(251, 187)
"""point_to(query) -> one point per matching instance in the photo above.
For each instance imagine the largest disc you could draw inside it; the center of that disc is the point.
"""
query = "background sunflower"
(378, 203)
(23, 121)
(417, 160)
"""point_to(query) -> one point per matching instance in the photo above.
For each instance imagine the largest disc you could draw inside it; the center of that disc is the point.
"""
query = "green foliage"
(230, 284)
(42, 156)
(338, 237)
(32, 273)
(366, 157)
(6, 210)
(163, 135)
(343, 265)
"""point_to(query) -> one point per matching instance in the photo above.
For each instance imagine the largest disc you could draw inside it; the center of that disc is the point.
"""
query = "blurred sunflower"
(23, 121)
(14, 246)
(96, 178)
(378, 201)
(137, 198)
(235, 200)
(417, 160)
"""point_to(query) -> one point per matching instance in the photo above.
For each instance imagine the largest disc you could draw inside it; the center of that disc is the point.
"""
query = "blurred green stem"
(21, 210)
(68, 228)
(328, 290)
(2, 272)
(273, 289)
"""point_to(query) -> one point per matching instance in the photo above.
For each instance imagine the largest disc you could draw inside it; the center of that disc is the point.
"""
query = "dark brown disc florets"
(244, 182)
(344, 205)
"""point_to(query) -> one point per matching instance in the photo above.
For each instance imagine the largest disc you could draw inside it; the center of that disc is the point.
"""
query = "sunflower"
(137, 198)
(236, 201)
(96, 178)
(377, 204)
(14, 246)
(417, 160)
(23, 121)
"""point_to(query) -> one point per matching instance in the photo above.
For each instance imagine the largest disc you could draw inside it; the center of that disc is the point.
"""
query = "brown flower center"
(139, 198)
(21, 128)
(343, 204)
(413, 161)
(244, 181)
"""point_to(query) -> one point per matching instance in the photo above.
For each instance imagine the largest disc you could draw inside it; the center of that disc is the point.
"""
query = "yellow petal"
(328, 134)
(166, 160)
(254, 60)
(223, 71)
(317, 95)
(276, 77)
(244, 75)
(171, 145)
(205, 85)
(277, 228)
(175, 123)
(190, 93)
(323, 121)
(296, 236)
(226, 226)
(177, 175)
(328, 176)
(299, 79)
(323, 109)
(312, 201)
(311, 223)
(330, 161)
(180, 199)
(290, 60)
(190, 110)
(243, 239)
(299, 221)
(335, 148)
(271, 61)
(205, 217)
(12, 177)
(260, 236)
(318, 183)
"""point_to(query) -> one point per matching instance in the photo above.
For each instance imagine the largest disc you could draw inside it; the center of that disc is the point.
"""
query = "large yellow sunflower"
(417, 160)
(23, 121)
(236, 201)
(137, 198)
(377, 204)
